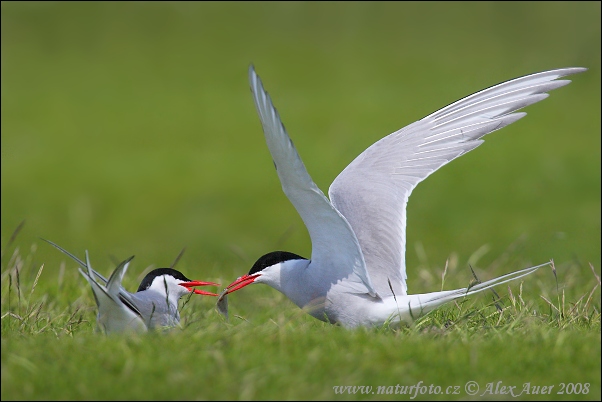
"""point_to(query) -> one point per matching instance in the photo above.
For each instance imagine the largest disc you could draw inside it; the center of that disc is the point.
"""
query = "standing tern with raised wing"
(154, 305)
(357, 275)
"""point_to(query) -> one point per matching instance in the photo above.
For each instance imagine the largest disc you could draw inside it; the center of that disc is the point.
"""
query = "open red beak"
(241, 282)
(191, 284)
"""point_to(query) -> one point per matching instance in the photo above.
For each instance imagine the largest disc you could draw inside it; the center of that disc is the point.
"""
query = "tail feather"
(105, 290)
(423, 303)
(86, 265)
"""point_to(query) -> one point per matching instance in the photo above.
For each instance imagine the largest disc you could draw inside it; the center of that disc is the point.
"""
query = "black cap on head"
(148, 279)
(272, 258)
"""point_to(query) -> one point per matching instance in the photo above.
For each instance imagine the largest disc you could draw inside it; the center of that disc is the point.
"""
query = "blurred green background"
(129, 128)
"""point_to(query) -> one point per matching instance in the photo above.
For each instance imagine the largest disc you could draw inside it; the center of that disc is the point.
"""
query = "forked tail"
(413, 306)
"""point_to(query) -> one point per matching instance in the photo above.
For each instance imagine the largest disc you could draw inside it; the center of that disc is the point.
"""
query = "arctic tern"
(154, 305)
(357, 275)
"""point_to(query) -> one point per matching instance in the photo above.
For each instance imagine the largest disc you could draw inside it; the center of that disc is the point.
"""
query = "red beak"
(241, 282)
(190, 284)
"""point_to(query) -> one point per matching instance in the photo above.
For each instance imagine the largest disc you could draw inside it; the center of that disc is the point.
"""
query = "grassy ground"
(272, 350)
(130, 129)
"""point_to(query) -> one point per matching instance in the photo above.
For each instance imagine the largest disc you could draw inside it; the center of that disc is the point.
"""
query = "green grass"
(129, 129)
(272, 350)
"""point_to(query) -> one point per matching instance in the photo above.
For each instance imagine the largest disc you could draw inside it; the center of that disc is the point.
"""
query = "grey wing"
(114, 282)
(156, 311)
(334, 244)
(114, 286)
(102, 288)
(372, 191)
(111, 315)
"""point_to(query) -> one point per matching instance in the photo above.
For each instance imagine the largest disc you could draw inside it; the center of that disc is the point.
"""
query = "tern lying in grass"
(154, 305)
(357, 275)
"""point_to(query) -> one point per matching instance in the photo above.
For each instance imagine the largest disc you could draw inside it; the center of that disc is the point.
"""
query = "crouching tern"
(357, 275)
(154, 305)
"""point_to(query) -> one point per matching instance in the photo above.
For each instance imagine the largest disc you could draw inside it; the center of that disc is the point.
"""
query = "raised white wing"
(372, 191)
(335, 249)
